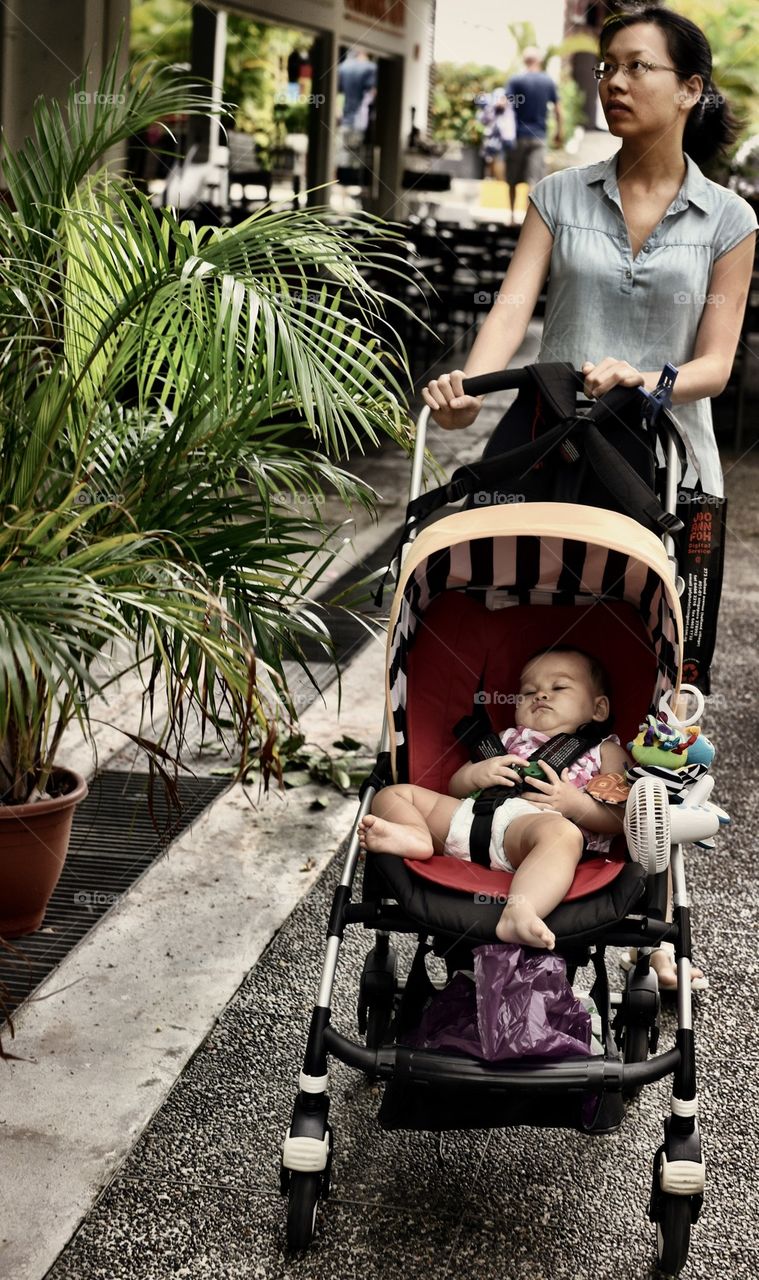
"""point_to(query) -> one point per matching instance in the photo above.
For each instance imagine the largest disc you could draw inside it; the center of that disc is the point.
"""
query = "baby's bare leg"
(410, 821)
(545, 848)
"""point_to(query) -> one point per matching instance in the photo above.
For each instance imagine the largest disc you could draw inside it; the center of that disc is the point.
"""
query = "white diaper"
(457, 841)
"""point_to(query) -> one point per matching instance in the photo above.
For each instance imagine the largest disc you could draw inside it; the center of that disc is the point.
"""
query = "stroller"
(478, 592)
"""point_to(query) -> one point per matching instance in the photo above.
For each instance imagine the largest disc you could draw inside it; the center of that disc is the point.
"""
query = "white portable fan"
(652, 825)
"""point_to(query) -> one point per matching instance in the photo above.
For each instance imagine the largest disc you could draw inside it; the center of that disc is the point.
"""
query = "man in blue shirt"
(357, 82)
(530, 92)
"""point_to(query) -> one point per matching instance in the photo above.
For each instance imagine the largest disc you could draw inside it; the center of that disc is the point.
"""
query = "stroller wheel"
(377, 1023)
(301, 1210)
(673, 1234)
(637, 1023)
(634, 1049)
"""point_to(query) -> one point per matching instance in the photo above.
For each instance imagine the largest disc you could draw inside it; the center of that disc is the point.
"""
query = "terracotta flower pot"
(34, 841)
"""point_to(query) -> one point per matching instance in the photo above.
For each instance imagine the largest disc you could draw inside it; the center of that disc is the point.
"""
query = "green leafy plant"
(152, 376)
(453, 117)
(344, 767)
(255, 71)
(730, 28)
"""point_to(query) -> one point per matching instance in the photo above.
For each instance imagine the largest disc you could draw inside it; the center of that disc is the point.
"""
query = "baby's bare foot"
(520, 923)
(380, 836)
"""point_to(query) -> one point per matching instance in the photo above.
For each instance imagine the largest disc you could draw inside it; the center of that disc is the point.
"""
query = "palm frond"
(175, 404)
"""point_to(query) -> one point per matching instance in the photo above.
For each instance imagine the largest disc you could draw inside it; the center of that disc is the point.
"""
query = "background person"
(530, 92)
(499, 121)
(357, 82)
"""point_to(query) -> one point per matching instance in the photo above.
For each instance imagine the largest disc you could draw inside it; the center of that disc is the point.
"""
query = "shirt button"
(628, 275)
(646, 248)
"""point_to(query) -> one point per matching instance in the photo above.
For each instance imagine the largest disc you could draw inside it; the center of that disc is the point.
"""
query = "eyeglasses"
(633, 70)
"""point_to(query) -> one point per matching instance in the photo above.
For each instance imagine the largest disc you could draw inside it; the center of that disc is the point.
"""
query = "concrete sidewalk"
(146, 1118)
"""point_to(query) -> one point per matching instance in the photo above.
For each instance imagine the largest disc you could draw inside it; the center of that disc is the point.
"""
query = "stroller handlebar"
(504, 380)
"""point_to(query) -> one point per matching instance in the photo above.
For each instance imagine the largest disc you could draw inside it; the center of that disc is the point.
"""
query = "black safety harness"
(560, 751)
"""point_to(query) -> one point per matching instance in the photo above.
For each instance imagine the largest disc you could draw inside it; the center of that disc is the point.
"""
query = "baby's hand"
(498, 771)
(556, 793)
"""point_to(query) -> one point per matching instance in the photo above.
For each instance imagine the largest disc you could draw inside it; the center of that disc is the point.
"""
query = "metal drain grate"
(113, 841)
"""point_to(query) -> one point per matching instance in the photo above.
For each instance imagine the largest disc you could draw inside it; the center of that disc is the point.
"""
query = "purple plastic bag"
(525, 1005)
(450, 1020)
(520, 1005)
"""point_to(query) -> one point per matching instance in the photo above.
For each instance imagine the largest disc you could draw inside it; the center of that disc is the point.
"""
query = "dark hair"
(597, 670)
(712, 125)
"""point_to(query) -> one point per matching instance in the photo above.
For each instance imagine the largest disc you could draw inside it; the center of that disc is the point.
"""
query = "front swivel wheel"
(303, 1199)
(673, 1234)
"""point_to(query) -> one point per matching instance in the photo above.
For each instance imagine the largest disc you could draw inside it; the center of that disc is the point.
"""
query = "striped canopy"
(533, 553)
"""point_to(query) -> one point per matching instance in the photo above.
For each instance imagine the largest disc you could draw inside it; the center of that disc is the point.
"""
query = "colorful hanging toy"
(670, 746)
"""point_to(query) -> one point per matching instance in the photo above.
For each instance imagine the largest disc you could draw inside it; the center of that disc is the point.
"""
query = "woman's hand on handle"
(451, 409)
(600, 378)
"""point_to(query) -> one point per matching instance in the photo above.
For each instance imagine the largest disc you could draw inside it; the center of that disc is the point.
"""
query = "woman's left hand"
(600, 378)
(556, 793)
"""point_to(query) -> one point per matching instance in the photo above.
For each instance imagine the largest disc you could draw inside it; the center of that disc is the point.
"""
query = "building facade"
(45, 45)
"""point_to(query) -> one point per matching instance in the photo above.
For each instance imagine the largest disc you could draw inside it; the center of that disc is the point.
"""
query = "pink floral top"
(522, 742)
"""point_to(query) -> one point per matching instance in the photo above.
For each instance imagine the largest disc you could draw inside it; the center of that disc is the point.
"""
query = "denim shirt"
(602, 302)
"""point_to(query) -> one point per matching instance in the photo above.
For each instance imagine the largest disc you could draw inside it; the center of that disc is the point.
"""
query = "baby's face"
(557, 694)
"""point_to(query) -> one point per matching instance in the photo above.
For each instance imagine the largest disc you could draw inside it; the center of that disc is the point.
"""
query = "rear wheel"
(377, 1023)
(673, 1234)
(634, 1049)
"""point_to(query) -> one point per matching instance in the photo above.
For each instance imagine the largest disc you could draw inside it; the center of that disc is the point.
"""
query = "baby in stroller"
(541, 839)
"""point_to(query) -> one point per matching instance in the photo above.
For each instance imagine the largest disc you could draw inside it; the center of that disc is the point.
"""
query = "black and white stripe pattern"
(677, 781)
(528, 569)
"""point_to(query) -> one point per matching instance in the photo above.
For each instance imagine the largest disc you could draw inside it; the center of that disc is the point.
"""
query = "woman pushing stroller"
(644, 252)
(649, 260)
(540, 839)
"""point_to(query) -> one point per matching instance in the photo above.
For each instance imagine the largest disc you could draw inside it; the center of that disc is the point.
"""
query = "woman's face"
(652, 105)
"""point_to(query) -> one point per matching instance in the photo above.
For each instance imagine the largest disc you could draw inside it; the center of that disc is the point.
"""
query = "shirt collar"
(695, 188)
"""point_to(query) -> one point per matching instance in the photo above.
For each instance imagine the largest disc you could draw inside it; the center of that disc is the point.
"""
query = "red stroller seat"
(465, 647)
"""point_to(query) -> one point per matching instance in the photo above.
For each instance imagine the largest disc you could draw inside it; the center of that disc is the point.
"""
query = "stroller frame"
(678, 1166)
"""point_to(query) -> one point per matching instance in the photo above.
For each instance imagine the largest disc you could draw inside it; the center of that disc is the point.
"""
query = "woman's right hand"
(451, 409)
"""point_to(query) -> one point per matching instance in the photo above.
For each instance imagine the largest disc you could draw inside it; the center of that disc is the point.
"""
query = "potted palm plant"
(152, 374)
